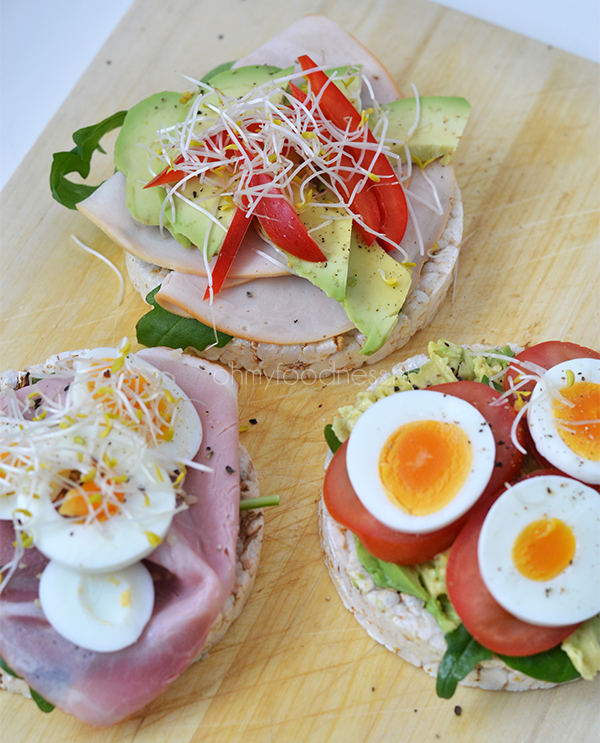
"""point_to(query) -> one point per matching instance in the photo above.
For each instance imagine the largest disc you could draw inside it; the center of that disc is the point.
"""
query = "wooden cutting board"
(296, 666)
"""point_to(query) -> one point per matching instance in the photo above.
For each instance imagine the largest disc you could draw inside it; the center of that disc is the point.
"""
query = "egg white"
(573, 595)
(187, 424)
(123, 538)
(542, 423)
(379, 422)
(105, 612)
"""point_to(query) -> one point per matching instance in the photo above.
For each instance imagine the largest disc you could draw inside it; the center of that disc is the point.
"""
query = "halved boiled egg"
(136, 393)
(114, 515)
(564, 418)
(418, 460)
(104, 612)
(539, 551)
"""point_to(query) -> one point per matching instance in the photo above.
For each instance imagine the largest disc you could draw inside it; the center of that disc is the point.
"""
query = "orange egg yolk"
(544, 549)
(424, 464)
(91, 500)
(135, 387)
(583, 438)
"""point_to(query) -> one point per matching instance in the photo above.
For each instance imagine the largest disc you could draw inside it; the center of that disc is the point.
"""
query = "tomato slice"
(482, 615)
(409, 549)
(546, 355)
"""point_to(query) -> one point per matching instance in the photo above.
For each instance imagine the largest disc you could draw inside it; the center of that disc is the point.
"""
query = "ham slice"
(327, 43)
(194, 570)
(288, 310)
(106, 208)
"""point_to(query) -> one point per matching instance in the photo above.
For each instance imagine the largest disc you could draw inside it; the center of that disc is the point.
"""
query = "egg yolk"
(579, 421)
(424, 464)
(143, 401)
(91, 500)
(543, 549)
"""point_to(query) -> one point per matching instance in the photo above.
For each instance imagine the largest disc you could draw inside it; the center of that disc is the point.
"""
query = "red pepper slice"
(168, 175)
(390, 195)
(231, 244)
(364, 203)
(282, 225)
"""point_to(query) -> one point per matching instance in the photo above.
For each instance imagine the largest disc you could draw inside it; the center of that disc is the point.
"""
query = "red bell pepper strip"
(168, 175)
(282, 225)
(231, 243)
(338, 109)
(364, 203)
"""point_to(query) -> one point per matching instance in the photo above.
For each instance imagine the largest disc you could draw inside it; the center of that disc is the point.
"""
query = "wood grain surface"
(296, 666)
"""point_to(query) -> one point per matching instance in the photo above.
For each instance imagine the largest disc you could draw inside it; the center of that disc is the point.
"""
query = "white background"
(46, 45)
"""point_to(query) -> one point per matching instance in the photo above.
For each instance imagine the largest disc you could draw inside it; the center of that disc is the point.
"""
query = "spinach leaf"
(552, 665)
(42, 703)
(6, 668)
(332, 440)
(162, 328)
(462, 655)
(78, 160)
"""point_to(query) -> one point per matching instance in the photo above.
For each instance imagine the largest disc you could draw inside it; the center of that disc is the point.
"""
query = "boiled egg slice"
(564, 418)
(104, 612)
(140, 396)
(418, 460)
(111, 520)
(539, 551)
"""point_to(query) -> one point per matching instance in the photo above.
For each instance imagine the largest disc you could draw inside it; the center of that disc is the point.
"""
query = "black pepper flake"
(458, 710)
(396, 388)
(249, 295)
(66, 388)
(106, 373)
(295, 321)
(195, 194)
(253, 421)
(229, 470)
(498, 464)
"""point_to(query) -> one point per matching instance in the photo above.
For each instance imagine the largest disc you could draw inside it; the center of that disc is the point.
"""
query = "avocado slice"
(442, 121)
(376, 289)
(333, 237)
(137, 139)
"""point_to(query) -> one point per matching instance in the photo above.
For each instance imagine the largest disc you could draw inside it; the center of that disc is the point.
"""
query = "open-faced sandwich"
(291, 211)
(460, 518)
(129, 536)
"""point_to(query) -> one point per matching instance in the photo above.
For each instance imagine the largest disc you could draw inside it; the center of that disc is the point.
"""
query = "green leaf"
(332, 440)
(5, 667)
(42, 703)
(162, 328)
(217, 71)
(552, 665)
(463, 654)
(78, 160)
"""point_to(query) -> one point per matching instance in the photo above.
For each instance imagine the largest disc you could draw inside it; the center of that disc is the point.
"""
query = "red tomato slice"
(408, 549)
(547, 355)
(482, 615)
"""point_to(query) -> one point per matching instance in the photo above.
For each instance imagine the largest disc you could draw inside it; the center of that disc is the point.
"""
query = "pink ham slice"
(195, 569)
